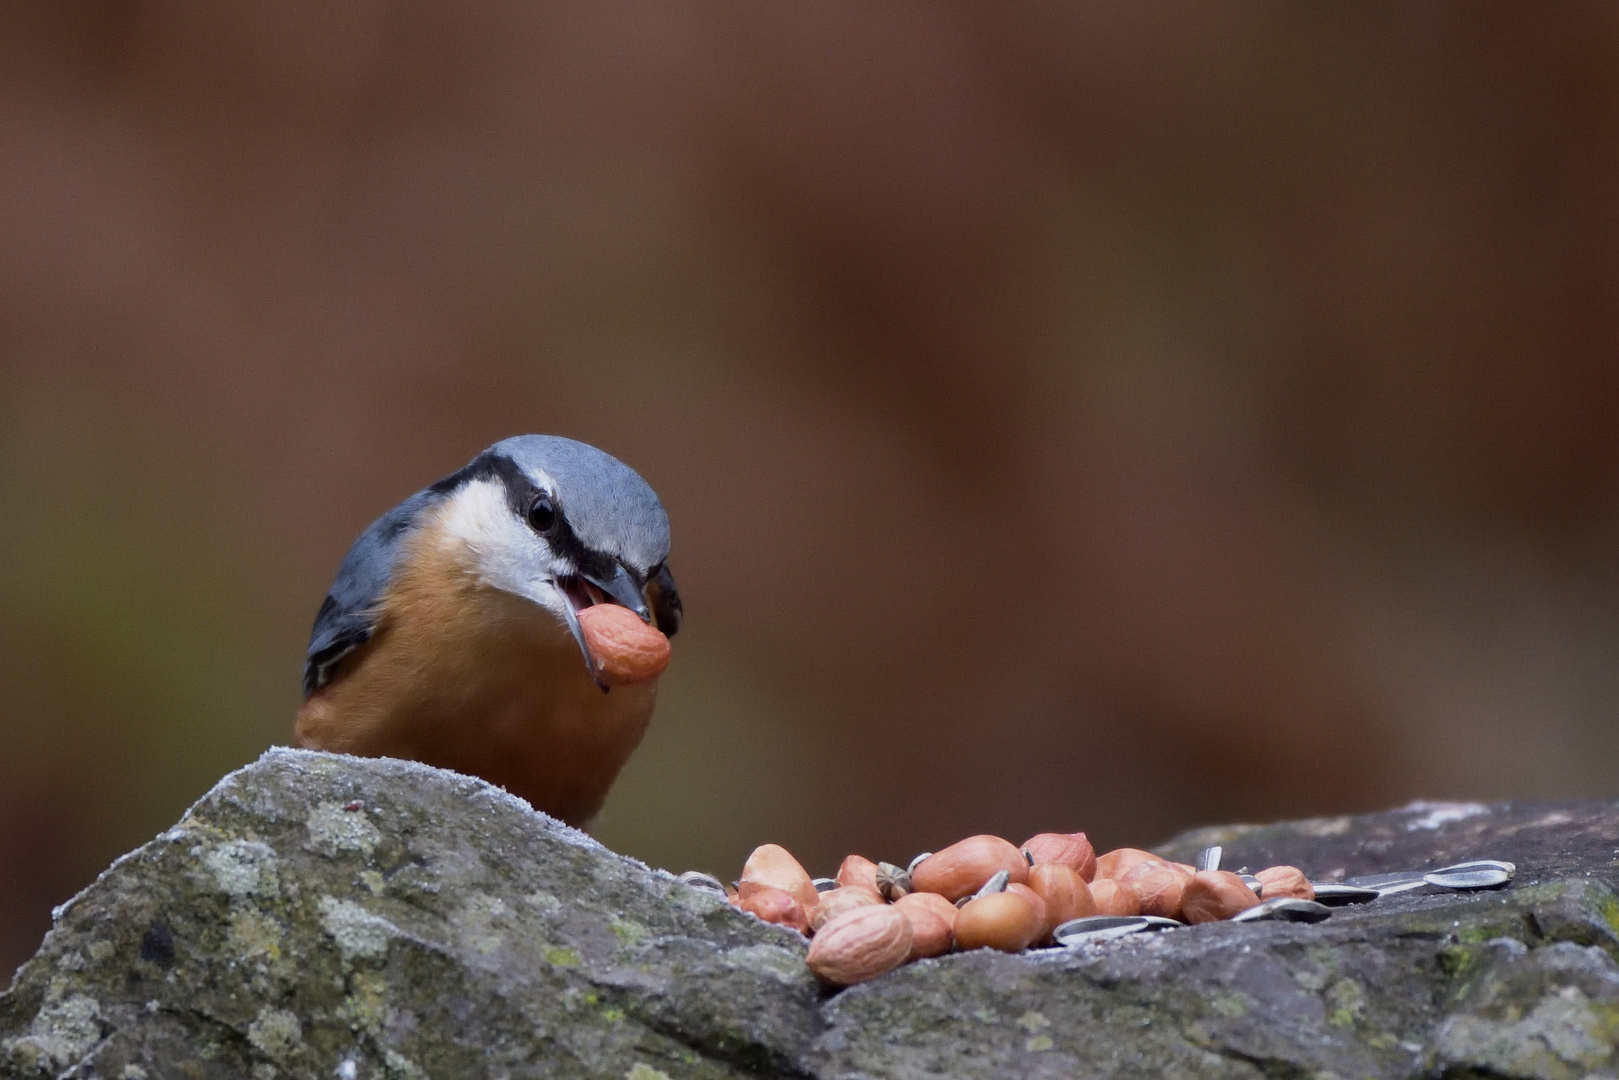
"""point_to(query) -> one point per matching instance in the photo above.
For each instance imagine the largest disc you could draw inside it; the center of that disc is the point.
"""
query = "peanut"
(858, 870)
(625, 649)
(779, 907)
(1038, 902)
(835, 902)
(962, 868)
(771, 866)
(860, 944)
(1159, 887)
(1111, 898)
(1120, 861)
(1064, 891)
(934, 903)
(931, 934)
(1003, 920)
(1213, 895)
(1286, 881)
(1070, 849)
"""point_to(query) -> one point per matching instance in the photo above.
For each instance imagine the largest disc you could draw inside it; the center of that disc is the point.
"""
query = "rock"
(321, 916)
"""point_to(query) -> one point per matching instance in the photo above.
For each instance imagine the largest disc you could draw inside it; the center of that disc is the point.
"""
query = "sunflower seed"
(1335, 894)
(1093, 928)
(997, 883)
(1284, 909)
(1390, 884)
(707, 882)
(1209, 858)
(892, 882)
(824, 884)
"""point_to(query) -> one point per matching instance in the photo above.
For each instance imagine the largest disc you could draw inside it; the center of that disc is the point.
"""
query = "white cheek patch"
(502, 550)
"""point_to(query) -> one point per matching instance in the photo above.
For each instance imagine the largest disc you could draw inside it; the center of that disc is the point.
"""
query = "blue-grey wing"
(348, 616)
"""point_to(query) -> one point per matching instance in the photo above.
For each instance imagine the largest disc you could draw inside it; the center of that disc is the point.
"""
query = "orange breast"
(468, 677)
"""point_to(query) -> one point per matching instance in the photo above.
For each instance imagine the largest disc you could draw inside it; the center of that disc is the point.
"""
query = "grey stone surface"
(319, 916)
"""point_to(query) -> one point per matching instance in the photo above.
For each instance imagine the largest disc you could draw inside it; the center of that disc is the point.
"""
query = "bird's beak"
(570, 614)
(623, 588)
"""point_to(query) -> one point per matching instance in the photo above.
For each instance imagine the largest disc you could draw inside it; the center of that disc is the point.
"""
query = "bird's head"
(564, 525)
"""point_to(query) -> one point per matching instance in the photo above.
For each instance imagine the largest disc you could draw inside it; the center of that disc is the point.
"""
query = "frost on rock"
(321, 916)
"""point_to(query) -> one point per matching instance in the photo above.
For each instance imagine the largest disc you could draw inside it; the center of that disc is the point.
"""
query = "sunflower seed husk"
(997, 883)
(892, 882)
(1253, 883)
(1478, 864)
(1092, 928)
(824, 884)
(1390, 884)
(1285, 909)
(707, 882)
(1158, 922)
(1481, 874)
(914, 863)
(1337, 894)
(1209, 858)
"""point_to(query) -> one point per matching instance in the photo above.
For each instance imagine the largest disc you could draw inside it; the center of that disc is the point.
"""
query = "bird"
(451, 635)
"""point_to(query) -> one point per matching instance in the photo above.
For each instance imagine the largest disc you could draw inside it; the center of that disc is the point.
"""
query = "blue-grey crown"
(606, 503)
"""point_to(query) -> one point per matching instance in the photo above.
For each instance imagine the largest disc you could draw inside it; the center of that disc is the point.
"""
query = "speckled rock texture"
(320, 916)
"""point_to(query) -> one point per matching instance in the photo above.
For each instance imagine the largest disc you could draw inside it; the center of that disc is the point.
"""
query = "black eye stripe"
(521, 495)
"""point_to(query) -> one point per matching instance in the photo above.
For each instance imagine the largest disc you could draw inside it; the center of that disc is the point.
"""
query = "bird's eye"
(541, 513)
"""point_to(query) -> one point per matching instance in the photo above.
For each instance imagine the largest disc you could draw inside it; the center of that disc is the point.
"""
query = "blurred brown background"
(1116, 418)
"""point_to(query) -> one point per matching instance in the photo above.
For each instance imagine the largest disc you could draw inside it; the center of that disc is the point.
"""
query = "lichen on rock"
(324, 916)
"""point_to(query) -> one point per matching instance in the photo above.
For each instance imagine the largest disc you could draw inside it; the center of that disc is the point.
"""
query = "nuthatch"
(451, 635)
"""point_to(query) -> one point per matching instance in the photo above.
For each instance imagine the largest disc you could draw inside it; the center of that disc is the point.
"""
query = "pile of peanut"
(880, 916)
